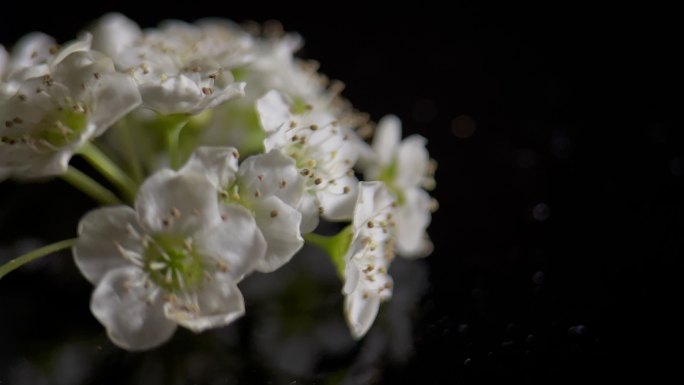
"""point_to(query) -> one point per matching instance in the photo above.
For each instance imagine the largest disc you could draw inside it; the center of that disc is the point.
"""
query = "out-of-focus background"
(558, 243)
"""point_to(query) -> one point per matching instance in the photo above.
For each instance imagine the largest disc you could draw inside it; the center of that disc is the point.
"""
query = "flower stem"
(335, 246)
(90, 187)
(131, 154)
(35, 254)
(173, 141)
(110, 170)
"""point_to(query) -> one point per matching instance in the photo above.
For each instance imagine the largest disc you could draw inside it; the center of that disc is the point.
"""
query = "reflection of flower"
(172, 260)
(405, 168)
(370, 253)
(323, 152)
(268, 185)
(53, 101)
(180, 67)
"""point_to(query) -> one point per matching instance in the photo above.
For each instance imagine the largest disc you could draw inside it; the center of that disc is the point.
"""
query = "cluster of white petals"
(406, 168)
(180, 68)
(367, 261)
(178, 104)
(53, 100)
(173, 260)
(323, 151)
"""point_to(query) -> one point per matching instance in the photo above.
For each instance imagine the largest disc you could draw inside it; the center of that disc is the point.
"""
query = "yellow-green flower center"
(173, 264)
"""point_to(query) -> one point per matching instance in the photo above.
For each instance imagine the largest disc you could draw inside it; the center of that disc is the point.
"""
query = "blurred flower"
(180, 68)
(52, 101)
(405, 167)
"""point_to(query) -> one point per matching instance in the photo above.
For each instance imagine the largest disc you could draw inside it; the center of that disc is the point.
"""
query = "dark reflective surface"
(558, 242)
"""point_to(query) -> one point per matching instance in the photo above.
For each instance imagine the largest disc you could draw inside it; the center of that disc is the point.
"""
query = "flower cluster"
(163, 114)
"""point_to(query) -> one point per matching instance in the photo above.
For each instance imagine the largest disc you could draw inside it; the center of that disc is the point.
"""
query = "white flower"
(54, 101)
(324, 152)
(174, 260)
(275, 67)
(268, 185)
(180, 68)
(405, 167)
(370, 252)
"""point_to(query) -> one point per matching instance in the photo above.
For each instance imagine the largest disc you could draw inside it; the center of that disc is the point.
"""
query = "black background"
(576, 109)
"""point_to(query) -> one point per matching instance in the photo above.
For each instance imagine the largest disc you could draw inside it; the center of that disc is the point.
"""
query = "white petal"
(273, 111)
(180, 204)
(79, 45)
(115, 96)
(271, 174)
(372, 198)
(134, 319)
(177, 94)
(217, 304)
(218, 164)
(279, 223)
(113, 33)
(3, 61)
(104, 236)
(386, 139)
(413, 218)
(351, 274)
(338, 205)
(360, 312)
(308, 206)
(31, 50)
(412, 162)
(236, 242)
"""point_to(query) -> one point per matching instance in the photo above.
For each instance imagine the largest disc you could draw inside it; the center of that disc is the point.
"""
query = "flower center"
(388, 175)
(56, 129)
(173, 264)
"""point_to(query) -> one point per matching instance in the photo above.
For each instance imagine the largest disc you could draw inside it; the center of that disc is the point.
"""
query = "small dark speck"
(538, 278)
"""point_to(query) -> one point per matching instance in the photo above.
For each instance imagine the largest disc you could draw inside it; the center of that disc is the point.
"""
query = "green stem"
(336, 246)
(35, 254)
(173, 142)
(110, 170)
(131, 154)
(90, 187)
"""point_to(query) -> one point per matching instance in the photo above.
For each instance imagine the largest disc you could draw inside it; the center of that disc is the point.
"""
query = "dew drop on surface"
(463, 126)
(577, 330)
(541, 212)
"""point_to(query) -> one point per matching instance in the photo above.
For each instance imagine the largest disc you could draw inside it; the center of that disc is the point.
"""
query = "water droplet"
(541, 212)
(463, 126)
(577, 330)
